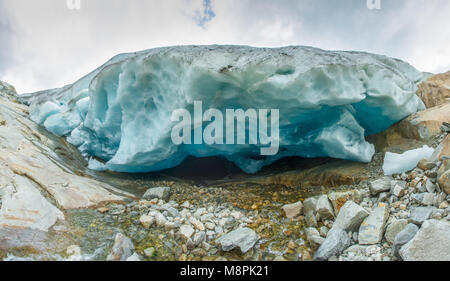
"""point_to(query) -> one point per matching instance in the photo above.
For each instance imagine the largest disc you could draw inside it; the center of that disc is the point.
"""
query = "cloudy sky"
(44, 44)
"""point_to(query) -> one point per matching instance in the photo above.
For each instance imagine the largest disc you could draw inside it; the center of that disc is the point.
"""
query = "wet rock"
(122, 249)
(199, 237)
(404, 237)
(157, 192)
(197, 224)
(324, 208)
(147, 221)
(293, 210)
(395, 228)
(431, 243)
(336, 242)
(149, 252)
(420, 214)
(243, 238)
(350, 217)
(372, 228)
(313, 237)
(380, 185)
(186, 231)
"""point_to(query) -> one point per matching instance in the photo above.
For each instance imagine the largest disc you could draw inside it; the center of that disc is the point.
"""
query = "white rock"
(293, 210)
(186, 231)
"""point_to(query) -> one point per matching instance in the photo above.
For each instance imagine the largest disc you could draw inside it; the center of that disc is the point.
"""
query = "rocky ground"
(52, 208)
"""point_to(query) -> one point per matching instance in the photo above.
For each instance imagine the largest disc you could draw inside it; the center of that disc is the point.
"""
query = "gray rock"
(404, 237)
(313, 237)
(310, 204)
(244, 238)
(199, 237)
(418, 197)
(171, 210)
(431, 187)
(323, 230)
(431, 243)
(310, 219)
(157, 192)
(335, 243)
(420, 214)
(399, 190)
(395, 228)
(324, 208)
(380, 185)
(350, 217)
(428, 199)
(122, 249)
(372, 228)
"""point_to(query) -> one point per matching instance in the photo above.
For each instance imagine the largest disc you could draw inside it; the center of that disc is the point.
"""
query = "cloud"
(45, 45)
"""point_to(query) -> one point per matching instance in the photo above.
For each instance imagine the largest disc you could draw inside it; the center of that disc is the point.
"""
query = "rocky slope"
(53, 208)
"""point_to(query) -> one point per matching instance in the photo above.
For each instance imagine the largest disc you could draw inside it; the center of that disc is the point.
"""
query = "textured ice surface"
(328, 102)
(398, 163)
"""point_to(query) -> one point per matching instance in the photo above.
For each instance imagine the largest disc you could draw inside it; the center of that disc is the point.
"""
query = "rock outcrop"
(40, 176)
(435, 90)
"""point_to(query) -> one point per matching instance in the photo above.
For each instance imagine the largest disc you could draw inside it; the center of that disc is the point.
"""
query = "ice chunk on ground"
(328, 101)
(398, 163)
(96, 165)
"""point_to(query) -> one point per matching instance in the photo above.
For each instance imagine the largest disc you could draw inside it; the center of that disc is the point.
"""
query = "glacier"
(119, 115)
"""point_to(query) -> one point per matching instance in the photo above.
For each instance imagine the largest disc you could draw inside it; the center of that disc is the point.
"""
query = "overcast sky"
(43, 44)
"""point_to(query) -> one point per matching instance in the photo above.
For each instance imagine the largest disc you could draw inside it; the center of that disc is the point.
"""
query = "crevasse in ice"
(328, 102)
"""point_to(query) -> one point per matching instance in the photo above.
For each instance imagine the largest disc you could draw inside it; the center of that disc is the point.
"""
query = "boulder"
(404, 237)
(380, 185)
(431, 243)
(336, 242)
(372, 228)
(338, 199)
(420, 214)
(157, 192)
(350, 217)
(324, 208)
(394, 228)
(310, 204)
(243, 238)
(444, 182)
(122, 249)
(293, 210)
(426, 165)
(435, 90)
(313, 237)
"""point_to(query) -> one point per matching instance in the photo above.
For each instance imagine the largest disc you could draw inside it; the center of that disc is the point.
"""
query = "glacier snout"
(327, 103)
